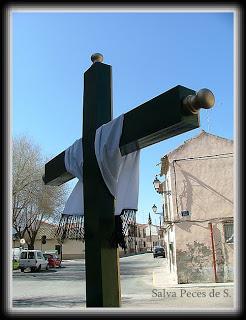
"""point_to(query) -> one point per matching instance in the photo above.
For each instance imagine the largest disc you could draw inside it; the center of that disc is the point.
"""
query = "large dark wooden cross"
(167, 115)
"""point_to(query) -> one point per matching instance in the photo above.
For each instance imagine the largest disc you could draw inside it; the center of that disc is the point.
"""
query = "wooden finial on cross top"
(97, 57)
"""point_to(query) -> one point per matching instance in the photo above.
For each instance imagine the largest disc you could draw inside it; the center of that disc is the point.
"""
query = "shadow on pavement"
(56, 302)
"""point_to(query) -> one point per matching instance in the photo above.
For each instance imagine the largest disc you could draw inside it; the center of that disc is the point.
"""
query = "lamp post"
(154, 208)
(159, 189)
(150, 236)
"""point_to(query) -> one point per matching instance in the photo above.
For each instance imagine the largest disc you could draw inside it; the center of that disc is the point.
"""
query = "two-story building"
(198, 193)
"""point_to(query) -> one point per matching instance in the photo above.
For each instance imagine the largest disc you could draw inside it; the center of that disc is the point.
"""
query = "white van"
(16, 253)
(33, 259)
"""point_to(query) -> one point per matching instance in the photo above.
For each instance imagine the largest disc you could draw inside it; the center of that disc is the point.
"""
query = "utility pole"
(213, 251)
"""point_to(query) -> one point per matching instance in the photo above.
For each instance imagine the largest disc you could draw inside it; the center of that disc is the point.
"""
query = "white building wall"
(205, 188)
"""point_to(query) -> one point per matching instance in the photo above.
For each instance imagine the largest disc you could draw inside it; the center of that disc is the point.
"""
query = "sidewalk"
(184, 297)
(162, 276)
(205, 298)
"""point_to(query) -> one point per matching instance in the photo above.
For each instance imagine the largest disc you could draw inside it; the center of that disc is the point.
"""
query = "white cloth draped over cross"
(120, 173)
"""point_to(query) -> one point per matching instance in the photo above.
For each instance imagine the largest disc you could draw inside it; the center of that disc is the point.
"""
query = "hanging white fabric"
(120, 173)
(74, 165)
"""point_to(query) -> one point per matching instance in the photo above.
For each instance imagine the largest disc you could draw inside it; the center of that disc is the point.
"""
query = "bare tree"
(33, 202)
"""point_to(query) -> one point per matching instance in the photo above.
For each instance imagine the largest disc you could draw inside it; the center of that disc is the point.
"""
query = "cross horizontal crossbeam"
(155, 120)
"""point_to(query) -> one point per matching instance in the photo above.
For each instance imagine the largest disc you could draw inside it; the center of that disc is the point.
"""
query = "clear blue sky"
(149, 53)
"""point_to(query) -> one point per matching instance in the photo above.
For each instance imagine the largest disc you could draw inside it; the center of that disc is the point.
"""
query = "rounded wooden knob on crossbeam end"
(96, 57)
(203, 99)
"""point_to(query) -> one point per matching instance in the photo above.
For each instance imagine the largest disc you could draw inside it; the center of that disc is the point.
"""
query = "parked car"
(33, 259)
(159, 251)
(53, 260)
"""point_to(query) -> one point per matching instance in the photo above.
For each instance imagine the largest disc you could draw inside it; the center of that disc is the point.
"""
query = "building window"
(229, 233)
(39, 255)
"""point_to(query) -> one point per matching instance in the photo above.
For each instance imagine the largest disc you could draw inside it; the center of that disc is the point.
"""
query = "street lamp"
(154, 208)
(22, 242)
(158, 188)
(166, 223)
(156, 184)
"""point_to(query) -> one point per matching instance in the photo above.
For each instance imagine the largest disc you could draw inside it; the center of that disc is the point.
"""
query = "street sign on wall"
(185, 213)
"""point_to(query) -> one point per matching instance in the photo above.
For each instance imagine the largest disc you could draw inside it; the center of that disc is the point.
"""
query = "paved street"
(145, 284)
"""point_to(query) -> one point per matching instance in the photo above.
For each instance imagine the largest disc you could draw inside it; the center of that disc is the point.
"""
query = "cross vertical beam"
(102, 261)
(167, 115)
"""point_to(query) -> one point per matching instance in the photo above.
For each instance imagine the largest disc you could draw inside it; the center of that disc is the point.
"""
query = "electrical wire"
(201, 220)
(215, 156)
